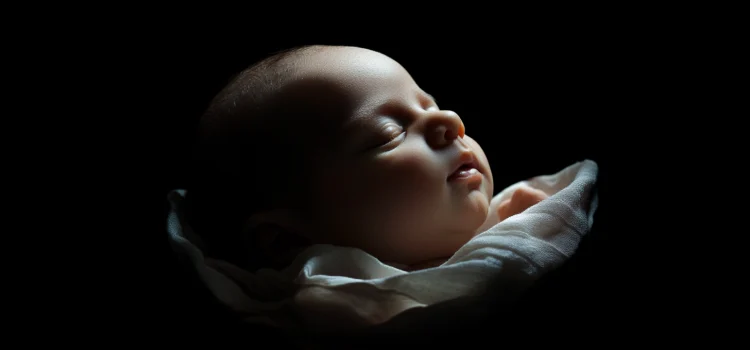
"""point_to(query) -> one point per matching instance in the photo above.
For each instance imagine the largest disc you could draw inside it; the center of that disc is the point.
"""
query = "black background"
(579, 93)
(645, 91)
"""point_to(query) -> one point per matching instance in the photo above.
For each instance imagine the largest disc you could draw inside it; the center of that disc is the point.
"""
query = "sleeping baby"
(327, 166)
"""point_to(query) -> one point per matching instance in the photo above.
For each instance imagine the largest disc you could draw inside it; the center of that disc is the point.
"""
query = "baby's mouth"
(466, 170)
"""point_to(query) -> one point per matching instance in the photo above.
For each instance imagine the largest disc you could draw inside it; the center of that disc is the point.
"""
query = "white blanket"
(329, 287)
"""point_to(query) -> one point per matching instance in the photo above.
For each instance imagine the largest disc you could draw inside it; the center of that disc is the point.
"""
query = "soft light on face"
(397, 183)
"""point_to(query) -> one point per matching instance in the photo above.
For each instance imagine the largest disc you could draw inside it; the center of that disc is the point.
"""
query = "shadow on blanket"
(575, 291)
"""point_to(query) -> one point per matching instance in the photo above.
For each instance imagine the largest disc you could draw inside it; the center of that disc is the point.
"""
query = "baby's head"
(338, 145)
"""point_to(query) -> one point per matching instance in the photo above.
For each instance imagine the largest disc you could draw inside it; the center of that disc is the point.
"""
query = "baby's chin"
(477, 206)
(469, 217)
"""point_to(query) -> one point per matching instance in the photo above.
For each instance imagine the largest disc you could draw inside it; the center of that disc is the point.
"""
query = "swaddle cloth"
(339, 287)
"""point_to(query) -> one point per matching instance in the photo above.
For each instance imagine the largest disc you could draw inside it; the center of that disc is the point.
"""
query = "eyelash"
(391, 136)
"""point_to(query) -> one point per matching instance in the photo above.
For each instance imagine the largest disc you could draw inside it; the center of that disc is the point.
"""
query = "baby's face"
(396, 179)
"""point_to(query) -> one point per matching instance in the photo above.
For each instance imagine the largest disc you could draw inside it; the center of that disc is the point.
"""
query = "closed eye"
(388, 133)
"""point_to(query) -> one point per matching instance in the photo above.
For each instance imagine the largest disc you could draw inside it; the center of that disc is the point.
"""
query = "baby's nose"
(443, 128)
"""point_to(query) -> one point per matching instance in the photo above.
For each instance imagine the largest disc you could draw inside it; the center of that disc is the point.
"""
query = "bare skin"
(522, 199)
(399, 177)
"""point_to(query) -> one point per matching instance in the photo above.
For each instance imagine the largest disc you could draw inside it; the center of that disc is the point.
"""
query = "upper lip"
(466, 159)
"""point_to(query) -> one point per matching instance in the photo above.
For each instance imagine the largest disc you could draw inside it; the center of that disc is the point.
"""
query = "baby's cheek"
(400, 190)
(360, 196)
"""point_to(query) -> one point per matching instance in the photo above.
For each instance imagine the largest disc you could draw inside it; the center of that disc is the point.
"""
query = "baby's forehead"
(306, 113)
(332, 88)
(315, 100)
(357, 74)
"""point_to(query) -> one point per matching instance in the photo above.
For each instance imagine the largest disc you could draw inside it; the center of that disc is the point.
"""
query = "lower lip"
(465, 175)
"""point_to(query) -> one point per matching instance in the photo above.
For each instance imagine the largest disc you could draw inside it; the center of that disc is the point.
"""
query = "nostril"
(439, 135)
(450, 134)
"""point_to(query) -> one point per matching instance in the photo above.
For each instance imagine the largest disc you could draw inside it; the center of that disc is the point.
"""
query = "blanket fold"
(340, 287)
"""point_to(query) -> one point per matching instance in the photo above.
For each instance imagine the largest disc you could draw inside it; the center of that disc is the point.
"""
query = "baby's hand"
(522, 199)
